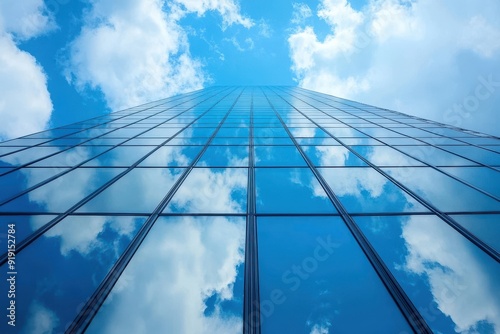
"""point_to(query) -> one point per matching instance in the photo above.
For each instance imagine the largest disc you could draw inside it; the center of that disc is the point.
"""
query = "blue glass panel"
(435, 156)
(233, 132)
(120, 156)
(290, 190)
(278, 156)
(485, 227)
(49, 198)
(332, 156)
(21, 179)
(229, 141)
(314, 278)
(161, 133)
(145, 141)
(482, 177)
(317, 141)
(24, 226)
(400, 141)
(230, 156)
(476, 153)
(28, 155)
(211, 190)
(452, 283)
(187, 277)
(345, 132)
(271, 141)
(385, 156)
(61, 269)
(138, 191)
(359, 141)
(363, 190)
(270, 132)
(444, 192)
(71, 157)
(172, 156)
(9, 149)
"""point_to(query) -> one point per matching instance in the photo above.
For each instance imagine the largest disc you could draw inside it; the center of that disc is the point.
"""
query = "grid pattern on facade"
(262, 209)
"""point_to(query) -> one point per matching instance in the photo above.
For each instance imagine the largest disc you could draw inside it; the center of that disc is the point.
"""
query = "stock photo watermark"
(293, 277)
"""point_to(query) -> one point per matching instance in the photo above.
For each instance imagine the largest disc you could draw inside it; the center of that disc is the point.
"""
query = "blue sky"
(67, 60)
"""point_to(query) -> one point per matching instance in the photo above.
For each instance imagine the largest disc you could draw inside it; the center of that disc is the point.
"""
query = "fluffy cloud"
(432, 59)
(25, 104)
(459, 275)
(183, 262)
(136, 51)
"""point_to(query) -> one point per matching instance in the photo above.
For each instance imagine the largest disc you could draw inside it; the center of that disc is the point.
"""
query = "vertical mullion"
(409, 311)
(447, 219)
(251, 305)
(36, 234)
(84, 318)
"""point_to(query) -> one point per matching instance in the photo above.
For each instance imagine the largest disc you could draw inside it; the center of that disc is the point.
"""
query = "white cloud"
(136, 51)
(25, 104)
(301, 12)
(228, 9)
(182, 263)
(25, 19)
(41, 319)
(421, 57)
(459, 275)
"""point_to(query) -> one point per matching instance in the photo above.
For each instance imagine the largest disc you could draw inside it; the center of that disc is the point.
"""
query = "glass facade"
(251, 209)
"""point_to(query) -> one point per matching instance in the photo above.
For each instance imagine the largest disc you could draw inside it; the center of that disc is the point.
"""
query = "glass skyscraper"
(257, 209)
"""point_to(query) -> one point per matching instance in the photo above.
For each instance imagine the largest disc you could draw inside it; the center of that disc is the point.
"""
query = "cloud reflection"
(182, 264)
(459, 275)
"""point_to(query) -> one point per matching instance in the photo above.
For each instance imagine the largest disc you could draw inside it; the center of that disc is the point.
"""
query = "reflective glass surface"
(315, 279)
(290, 190)
(363, 190)
(187, 277)
(453, 283)
(63, 268)
(226, 200)
(211, 190)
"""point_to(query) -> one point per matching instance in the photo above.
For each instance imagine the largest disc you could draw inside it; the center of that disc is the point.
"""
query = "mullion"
(85, 141)
(68, 135)
(111, 147)
(395, 147)
(251, 305)
(87, 313)
(450, 221)
(409, 311)
(23, 244)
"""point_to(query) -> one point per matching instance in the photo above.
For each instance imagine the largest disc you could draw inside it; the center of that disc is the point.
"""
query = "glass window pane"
(314, 278)
(211, 190)
(49, 198)
(138, 191)
(452, 282)
(172, 156)
(290, 190)
(332, 156)
(482, 177)
(363, 190)
(385, 156)
(230, 156)
(477, 154)
(485, 227)
(444, 192)
(59, 271)
(24, 226)
(435, 156)
(272, 141)
(278, 156)
(187, 277)
(121, 156)
(21, 179)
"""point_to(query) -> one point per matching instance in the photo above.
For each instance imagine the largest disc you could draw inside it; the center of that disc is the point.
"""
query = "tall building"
(258, 209)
